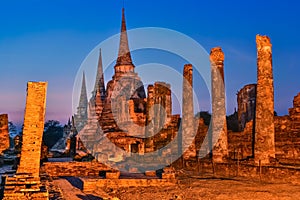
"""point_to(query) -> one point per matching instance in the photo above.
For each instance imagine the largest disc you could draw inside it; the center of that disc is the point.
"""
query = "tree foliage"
(53, 131)
(205, 115)
(12, 129)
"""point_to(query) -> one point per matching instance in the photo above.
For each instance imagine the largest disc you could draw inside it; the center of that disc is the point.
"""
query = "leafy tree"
(53, 131)
(12, 129)
(205, 115)
(232, 122)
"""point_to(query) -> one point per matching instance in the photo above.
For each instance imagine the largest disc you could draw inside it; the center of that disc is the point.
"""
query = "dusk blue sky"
(48, 40)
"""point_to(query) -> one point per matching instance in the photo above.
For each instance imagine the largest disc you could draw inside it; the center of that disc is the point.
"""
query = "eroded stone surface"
(264, 122)
(187, 120)
(4, 135)
(246, 99)
(219, 127)
(33, 128)
(26, 183)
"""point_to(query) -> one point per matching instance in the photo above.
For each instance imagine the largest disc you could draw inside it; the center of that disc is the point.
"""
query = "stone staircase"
(24, 186)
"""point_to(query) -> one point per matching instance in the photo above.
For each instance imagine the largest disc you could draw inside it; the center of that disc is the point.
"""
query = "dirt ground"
(189, 188)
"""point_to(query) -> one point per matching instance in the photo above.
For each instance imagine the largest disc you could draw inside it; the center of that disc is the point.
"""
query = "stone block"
(112, 174)
(150, 173)
(168, 176)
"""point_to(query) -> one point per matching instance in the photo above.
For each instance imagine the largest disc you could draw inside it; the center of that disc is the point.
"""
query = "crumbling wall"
(4, 133)
(161, 126)
(246, 98)
(240, 144)
(74, 168)
(294, 114)
(201, 139)
(287, 133)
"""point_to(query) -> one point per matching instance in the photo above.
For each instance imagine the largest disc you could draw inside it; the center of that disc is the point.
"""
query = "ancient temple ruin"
(122, 112)
(264, 115)
(138, 123)
(246, 100)
(26, 182)
(136, 141)
(4, 135)
(219, 127)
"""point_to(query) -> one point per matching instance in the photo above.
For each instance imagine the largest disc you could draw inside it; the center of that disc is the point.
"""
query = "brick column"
(149, 145)
(33, 128)
(187, 121)
(219, 127)
(264, 123)
(4, 135)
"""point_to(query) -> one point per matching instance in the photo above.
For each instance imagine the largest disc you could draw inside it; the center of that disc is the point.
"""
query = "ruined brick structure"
(82, 110)
(61, 144)
(26, 182)
(135, 124)
(294, 113)
(187, 121)
(4, 134)
(33, 128)
(219, 127)
(246, 100)
(99, 93)
(287, 133)
(264, 121)
(122, 113)
(282, 141)
(158, 113)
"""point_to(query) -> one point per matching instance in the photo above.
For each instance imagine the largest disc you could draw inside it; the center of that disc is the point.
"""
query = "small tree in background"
(53, 131)
(13, 132)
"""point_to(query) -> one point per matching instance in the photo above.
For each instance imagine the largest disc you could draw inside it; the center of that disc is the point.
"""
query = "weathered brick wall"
(240, 144)
(4, 135)
(249, 170)
(294, 113)
(73, 168)
(33, 128)
(246, 98)
(202, 144)
(287, 139)
(95, 184)
(167, 134)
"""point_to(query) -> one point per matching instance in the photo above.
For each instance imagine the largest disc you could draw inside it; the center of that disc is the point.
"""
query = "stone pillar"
(219, 127)
(162, 107)
(4, 133)
(187, 121)
(33, 128)
(165, 92)
(264, 123)
(149, 145)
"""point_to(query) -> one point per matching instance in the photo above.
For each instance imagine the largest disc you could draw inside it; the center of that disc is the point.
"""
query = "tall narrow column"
(33, 128)
(219, 127)
(187, 121)
(264, 123)
(149, 145)
(4, 135)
